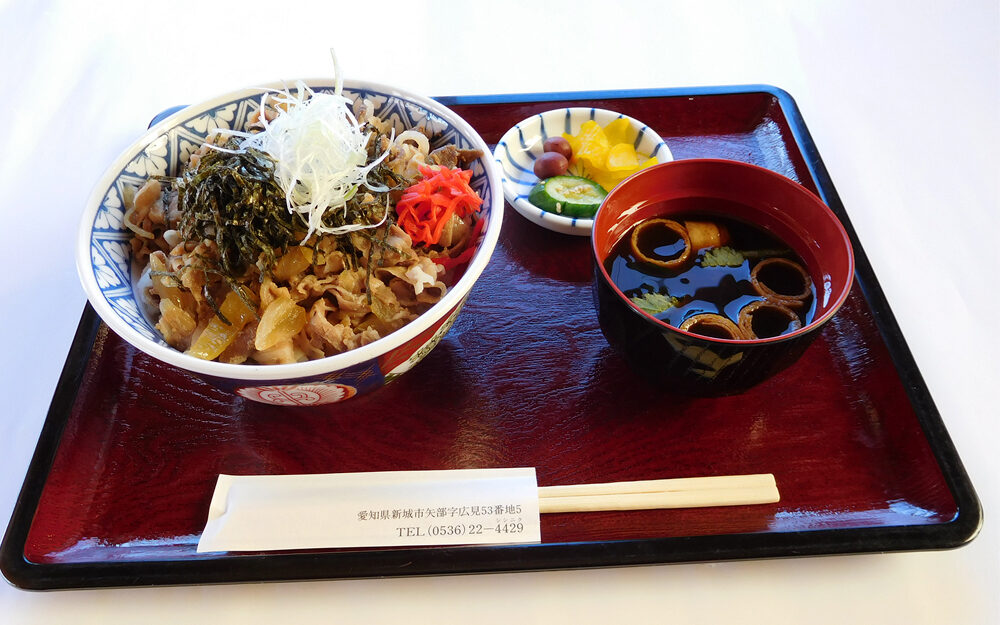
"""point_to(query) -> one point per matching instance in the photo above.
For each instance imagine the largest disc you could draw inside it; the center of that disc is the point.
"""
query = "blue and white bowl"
(104, 258)
(521, 145)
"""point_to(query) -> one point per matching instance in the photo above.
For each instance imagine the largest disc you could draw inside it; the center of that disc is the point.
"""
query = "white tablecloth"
(902, 99)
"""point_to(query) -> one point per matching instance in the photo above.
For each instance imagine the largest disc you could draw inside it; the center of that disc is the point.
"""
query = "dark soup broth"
(713, 276)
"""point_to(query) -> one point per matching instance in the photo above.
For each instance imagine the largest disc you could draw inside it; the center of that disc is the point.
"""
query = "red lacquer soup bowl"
(722, 357)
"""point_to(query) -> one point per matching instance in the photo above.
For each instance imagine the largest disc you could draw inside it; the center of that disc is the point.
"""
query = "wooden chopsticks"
(687, 492)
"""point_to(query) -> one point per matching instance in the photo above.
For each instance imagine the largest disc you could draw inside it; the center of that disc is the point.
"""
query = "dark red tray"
(119, 486)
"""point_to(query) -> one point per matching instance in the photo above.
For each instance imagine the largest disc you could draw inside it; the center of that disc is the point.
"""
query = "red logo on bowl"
(299, 394)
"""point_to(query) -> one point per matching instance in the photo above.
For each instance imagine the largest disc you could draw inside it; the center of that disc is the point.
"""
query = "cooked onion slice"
(417, 138)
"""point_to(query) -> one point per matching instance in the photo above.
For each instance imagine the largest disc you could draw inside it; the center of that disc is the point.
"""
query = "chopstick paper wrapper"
(377, 509)
(411, 508)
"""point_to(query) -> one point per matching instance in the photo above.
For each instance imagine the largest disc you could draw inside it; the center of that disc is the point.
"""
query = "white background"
(902, 99)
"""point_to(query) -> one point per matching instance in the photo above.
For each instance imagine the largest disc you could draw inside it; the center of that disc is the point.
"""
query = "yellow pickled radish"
(618, 131)
(649, 162)
(609, 179)
(622, 156)
(217, 336)
(574, 143)
(606, 155)
(282, 319)
(594, 145)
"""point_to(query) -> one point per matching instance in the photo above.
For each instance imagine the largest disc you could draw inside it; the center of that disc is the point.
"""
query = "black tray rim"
(235, 568)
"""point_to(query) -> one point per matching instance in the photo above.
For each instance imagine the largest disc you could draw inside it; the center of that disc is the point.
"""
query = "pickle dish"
(567, 193)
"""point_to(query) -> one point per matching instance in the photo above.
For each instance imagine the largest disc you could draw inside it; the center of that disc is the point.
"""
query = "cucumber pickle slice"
(571, 196)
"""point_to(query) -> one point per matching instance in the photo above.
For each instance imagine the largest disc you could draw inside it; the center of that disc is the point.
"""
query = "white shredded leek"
(338, 78)
(320, 152)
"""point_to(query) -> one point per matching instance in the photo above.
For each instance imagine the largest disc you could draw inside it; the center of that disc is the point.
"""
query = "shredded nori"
(233, 198)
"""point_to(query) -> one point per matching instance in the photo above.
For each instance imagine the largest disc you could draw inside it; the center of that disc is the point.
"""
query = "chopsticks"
(686, 492)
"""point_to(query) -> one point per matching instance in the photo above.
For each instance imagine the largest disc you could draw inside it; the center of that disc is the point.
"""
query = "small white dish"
(521, 145)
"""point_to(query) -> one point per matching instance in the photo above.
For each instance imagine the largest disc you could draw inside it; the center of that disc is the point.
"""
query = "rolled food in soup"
(713, 276)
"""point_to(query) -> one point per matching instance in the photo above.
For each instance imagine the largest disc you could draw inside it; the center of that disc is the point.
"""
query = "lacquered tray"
(119, 486)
